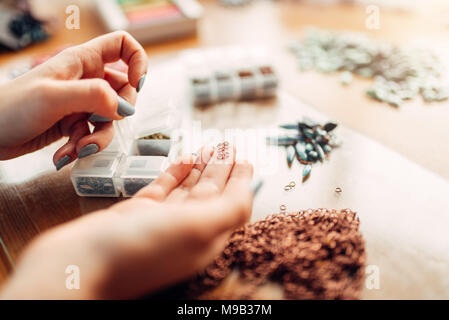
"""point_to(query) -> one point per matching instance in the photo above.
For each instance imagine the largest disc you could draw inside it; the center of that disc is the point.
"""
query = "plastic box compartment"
(226, 85)
(203, 88)
(269, 79)
(249, 83)
(153, 147)
(96, 176)
(139, 171)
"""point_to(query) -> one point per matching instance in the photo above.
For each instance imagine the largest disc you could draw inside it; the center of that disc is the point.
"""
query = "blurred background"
(273, 24)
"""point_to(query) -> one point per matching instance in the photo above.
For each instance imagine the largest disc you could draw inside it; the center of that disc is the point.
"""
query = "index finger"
(121, 45)
(160, 188)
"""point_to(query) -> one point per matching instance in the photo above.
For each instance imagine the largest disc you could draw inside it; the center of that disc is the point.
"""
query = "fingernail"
(256, 186)
(88, 150)
(141, 82)
(96, 118)
(125, 109)
(62, 162)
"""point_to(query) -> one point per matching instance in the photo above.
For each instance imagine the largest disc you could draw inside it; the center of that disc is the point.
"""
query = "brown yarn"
(312, 254)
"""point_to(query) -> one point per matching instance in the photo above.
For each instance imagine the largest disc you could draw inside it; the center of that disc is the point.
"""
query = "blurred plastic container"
(151, 20)
(229, 73)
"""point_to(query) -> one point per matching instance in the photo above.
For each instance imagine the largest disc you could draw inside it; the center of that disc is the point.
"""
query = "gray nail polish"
(256, 186)
(96, 118)
(62, 162)
(125, 109)
(154, 147)
(141, 82)
(88, 150)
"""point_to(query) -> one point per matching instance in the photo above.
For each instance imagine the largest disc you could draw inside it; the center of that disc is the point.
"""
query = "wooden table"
(400, 154)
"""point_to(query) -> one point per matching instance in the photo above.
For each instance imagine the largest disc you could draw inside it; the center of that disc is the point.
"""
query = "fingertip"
(187, 160)
(124, 109)
(96, 141)
(88, 150)
(104, 99)
(255, 186)
(95, 118)
(64, 156)
(137, 72)
(204, 155)
(181, 167)
(208, 151)
(61, 163)
(141, 82)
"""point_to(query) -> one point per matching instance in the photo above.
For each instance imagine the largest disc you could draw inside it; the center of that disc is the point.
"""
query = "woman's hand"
(173, 228)
(57, 98)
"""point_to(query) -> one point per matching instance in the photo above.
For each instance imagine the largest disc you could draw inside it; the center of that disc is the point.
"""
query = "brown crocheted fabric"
(312, 254)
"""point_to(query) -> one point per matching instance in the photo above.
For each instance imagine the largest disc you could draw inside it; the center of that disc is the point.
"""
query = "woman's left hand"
(173, 228)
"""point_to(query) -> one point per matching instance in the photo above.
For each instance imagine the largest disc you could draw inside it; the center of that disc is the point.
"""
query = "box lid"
(100, 165)
(141, 166)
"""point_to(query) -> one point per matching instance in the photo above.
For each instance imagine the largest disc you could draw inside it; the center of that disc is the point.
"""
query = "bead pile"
(312, 254)
(399, 74)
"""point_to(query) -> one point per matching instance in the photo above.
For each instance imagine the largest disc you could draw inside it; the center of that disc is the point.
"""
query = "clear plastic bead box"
(139, 171)
(96, 176)
(109, 174)
(132, 160)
